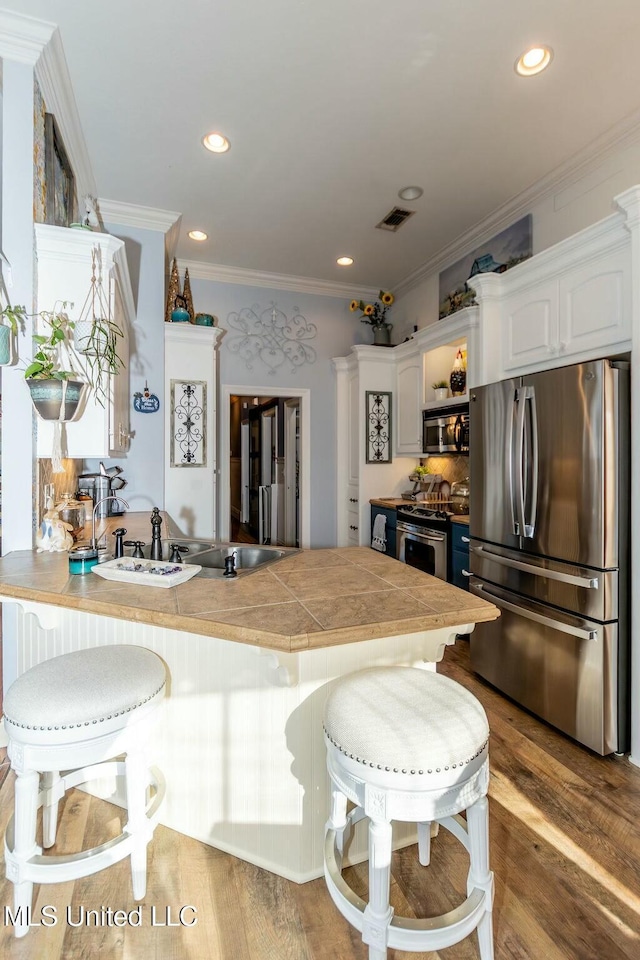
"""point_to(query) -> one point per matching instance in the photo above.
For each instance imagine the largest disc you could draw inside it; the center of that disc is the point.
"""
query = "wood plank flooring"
(565, 848)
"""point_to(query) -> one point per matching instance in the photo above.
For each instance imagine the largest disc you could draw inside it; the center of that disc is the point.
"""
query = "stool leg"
(479, 873)
(50, 808)
(378, 913)
(338, 816)
(137, 823)
(26, 808)
(424, 843)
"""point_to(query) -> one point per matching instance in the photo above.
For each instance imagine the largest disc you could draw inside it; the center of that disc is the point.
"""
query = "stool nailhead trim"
(380, 766)
(88, 723)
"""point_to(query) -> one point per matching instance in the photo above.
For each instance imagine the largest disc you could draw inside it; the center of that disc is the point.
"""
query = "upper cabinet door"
(530, 326)
(64, 274)
(409, 393)
(595, 305)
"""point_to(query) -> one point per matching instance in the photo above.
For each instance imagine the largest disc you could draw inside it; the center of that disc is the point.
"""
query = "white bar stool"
(408, 744)
(67, 719)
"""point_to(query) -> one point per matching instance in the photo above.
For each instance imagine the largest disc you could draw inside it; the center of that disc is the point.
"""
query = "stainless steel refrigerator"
(549, 508)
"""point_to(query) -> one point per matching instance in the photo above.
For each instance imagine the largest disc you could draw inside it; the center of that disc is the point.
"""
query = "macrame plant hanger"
(96, 309)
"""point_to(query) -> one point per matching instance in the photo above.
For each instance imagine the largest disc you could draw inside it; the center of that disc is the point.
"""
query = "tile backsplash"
(452, 468)
(64, 482)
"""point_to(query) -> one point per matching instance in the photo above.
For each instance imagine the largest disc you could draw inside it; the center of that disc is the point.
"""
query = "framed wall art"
(58, 177)
(502, 252)
(378, 431)
(188, 440)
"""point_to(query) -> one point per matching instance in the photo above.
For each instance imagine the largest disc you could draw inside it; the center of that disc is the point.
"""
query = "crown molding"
(53, 77)
(256, 278)
(133, 215)
(623, 134)
(23, 39)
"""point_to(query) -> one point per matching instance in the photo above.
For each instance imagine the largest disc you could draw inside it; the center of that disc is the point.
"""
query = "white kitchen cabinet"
(408, 405)
(569, 303)
(64, 274)
(191, 488)
(367, 368)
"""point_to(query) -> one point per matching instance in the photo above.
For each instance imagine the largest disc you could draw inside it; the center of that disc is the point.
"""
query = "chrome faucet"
(94, 542)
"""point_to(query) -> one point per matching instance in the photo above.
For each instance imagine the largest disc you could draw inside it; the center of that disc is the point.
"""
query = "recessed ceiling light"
(533, 61)
(197, 234)
(410, 193)
(216, 142)
(344, 261)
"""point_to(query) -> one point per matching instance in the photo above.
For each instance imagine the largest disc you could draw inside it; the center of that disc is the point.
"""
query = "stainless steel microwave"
(446, 430)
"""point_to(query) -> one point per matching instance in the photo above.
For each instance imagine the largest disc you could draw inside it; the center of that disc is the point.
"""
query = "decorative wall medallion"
(188, 423)
(145, 401)
(271, 338)
(378, 419)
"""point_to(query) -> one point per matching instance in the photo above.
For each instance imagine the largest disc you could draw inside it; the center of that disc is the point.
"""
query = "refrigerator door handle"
(569, 628)
(589, 583)
(530, 397)
(518, 459)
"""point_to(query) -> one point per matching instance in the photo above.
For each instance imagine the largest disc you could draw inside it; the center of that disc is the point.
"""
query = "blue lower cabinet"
(390, 527)
(459, 554)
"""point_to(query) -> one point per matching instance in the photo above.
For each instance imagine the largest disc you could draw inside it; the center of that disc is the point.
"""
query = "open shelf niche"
(438, 364)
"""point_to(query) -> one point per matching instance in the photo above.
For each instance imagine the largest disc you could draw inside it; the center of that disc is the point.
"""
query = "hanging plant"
(11, 320)
(96, 335)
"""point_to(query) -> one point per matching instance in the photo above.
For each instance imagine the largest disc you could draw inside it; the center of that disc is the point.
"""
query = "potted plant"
(56, 392)
(440, 389)
(375, 314)
(11, 319)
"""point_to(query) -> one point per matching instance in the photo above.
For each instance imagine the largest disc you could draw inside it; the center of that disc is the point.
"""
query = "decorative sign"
(378, 419)
(269, 337)
(188, 423)
(145, 402)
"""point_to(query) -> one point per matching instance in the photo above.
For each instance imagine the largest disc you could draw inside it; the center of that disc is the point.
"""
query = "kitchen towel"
(379, 538)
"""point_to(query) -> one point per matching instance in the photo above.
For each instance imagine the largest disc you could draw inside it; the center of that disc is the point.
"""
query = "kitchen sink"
(211, 557)
(247, 558)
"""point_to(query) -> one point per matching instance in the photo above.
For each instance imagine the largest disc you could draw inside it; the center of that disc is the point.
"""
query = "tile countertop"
(306, 600)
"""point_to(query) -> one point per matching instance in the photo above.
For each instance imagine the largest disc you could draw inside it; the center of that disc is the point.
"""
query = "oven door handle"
(435, 537)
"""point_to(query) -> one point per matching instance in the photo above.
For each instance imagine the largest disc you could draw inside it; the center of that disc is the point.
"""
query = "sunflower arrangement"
(374, 313)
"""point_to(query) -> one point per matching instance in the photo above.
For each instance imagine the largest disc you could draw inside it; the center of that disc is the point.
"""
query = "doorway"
(264, 452)
(264, 486)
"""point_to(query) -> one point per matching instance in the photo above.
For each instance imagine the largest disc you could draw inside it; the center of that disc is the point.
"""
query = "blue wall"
(337, 330)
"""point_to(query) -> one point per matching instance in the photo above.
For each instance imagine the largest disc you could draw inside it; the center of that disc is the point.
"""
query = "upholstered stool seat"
(67, 719)
(410, 745)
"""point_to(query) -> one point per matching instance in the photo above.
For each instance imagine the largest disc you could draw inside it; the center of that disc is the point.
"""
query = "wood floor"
(565, 848)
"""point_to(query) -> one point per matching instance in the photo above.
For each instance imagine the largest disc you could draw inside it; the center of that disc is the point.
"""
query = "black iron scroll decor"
(188, 423)
(378, 419)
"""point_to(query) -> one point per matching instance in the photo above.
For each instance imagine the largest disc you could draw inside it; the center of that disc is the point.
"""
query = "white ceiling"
(331, 107)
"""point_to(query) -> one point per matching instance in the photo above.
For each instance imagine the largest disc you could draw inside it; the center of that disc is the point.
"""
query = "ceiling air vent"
(394, 219)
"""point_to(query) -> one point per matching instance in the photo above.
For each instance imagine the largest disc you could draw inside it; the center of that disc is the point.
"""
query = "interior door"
(255, 474)
(492, 425)
(244, 473)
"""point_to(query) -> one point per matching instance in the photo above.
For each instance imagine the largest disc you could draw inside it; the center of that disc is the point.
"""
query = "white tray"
(116, 570)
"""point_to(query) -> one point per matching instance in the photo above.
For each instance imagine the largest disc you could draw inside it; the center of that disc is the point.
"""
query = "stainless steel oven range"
(423, 538)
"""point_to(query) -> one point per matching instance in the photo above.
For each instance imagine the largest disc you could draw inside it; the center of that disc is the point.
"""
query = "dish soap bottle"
(458, 378)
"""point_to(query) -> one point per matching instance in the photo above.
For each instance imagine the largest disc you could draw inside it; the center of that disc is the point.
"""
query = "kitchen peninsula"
(240, 739)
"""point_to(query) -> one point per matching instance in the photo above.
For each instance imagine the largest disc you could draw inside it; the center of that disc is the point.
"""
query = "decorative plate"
(147, 573)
